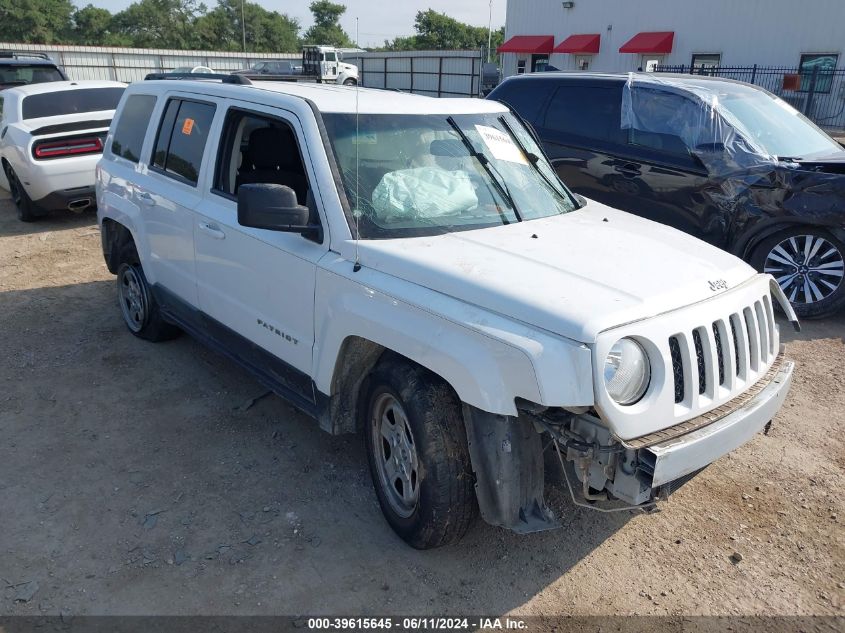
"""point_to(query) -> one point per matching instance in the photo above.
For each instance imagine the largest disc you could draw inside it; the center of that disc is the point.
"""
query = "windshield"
(427, 174)
(776, 126)
(17, 75)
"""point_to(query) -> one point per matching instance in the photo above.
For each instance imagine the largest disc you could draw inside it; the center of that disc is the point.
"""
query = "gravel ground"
(137, 479)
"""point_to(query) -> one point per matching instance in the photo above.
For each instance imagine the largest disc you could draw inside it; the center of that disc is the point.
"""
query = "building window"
(582, 62)
(539, 63)
(520, 66)
(650, 63)
(826, 64)
(701, 62)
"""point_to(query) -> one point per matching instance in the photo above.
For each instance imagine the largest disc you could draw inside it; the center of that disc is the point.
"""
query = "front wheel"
(418, 456)
(809, 265)
(349, 82)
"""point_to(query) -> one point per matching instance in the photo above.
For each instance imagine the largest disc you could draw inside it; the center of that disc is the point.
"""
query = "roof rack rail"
(226, 79)
(6, 54)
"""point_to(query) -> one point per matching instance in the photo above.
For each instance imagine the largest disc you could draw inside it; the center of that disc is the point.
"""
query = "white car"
(205, 70)
(51, 137)
(412, 268)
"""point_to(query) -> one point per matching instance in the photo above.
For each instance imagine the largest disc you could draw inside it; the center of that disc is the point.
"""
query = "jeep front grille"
(677, 368)
(706, 352)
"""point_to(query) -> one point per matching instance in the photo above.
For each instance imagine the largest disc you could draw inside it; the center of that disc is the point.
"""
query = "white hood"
(584, 272)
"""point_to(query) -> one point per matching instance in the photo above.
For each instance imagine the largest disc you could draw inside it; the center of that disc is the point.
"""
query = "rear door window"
(71, 102)
(181, 139)
(586, 113)
(132, 127)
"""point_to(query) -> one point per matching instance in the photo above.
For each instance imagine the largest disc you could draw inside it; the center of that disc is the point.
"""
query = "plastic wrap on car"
(746, 188)
(709, 130)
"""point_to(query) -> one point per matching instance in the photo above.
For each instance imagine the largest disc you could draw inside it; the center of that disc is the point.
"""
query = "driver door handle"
(212, 229)
(629, 170)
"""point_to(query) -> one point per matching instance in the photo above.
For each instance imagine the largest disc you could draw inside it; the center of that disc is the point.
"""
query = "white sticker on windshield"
(501, 145)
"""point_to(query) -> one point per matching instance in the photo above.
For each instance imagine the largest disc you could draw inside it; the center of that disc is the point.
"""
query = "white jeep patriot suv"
(413, 268)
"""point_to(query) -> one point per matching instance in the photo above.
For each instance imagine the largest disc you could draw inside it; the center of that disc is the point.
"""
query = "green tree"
(326, 28)
(158, 23)
(266, 31)
(437, 31)
(35, 21)
(92, 26)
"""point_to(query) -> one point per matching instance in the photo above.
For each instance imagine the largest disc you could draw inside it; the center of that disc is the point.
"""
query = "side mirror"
(274, 207)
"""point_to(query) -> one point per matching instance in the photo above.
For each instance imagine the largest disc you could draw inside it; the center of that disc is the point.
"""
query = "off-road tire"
(144, 320)
(447, 504)
(817, 308)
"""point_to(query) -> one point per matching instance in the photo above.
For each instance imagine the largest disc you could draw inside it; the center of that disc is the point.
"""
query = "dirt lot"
(135, 480)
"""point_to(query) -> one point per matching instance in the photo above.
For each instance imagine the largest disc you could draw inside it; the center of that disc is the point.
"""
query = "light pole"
(243, 25)
(489, 30)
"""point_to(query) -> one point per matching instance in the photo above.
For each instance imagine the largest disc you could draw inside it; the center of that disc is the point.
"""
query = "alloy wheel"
(808, 268)
(396, 454)
(133, 298)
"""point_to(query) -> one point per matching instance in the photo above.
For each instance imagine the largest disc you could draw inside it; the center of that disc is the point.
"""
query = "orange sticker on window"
(187, 126)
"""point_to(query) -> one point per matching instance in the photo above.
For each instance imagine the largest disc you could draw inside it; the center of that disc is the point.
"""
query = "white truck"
(326, 63)
(413, 269)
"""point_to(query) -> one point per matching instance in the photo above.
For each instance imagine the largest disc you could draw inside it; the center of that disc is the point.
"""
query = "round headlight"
(626, 371)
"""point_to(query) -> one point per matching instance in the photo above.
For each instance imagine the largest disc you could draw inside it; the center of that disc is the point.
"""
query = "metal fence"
(132, 64)
(433, 73)
(819, 94)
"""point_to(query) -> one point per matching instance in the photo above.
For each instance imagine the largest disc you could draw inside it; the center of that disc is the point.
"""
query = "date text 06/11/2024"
(416, 623)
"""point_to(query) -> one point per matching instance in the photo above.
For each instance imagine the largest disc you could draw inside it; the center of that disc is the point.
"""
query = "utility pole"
(243, 24)
(490, 30)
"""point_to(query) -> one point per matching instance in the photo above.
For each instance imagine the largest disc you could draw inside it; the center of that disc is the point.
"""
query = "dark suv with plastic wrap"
(723, 160)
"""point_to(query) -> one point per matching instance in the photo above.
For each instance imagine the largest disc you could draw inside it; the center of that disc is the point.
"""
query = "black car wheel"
(140, 310)
(27, 211)
(809, 265)
(417, 450)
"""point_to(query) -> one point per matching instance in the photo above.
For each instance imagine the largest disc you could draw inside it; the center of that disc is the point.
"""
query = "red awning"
(655, 42)
(528, 44)
(585, 44)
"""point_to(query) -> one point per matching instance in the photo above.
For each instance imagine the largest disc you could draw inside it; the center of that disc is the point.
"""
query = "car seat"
(272, 156)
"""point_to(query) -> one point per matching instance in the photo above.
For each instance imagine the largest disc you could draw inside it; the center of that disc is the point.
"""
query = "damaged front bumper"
(507, 453)
(671, 459)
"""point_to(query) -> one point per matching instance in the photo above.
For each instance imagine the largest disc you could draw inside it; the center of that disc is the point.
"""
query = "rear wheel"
(27, 211)
(809, 265)
(418, 455)
(138, 306)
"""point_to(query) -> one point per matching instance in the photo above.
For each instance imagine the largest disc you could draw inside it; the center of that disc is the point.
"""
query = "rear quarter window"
(526, 97)
(132, 127)
(70, 102)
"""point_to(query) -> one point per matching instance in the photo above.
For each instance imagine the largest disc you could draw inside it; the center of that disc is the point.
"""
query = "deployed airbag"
(423, 192)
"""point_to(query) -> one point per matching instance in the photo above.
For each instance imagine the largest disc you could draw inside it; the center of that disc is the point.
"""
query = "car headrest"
(272, 148)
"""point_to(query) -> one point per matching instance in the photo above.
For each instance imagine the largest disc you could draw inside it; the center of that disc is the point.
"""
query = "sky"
(378, 20)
